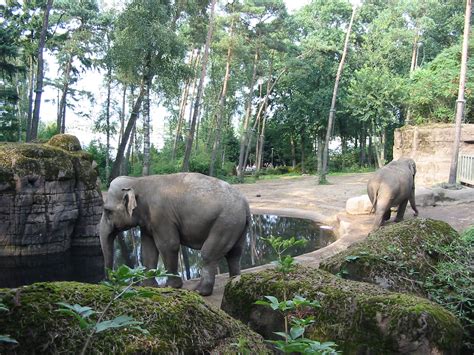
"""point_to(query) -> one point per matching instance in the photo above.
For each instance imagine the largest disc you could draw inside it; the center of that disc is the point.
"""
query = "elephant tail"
(374, 203)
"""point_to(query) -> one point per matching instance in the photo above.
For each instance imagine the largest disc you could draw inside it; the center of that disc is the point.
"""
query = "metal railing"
(466, 169)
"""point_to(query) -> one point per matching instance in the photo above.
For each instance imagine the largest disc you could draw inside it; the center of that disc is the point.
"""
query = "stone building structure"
(50, 200)
(431, 148)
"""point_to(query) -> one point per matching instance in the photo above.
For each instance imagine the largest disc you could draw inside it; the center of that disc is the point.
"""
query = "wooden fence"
(466, 169)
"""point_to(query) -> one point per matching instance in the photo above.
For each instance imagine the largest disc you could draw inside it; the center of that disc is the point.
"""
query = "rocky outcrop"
(419, 256)
(177, 321)
(431, 148)
(398, 257)
(360, 318)
(49, 197)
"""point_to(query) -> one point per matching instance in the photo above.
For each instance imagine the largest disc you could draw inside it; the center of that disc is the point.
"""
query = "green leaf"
(296, 332)
(118, 322)
(7, 339)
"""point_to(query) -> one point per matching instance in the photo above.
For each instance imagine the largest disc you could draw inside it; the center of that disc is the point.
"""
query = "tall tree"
(197, 102)
(40, 72)
(332, 110)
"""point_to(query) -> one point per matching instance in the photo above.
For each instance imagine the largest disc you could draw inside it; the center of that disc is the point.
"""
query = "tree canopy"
(267, 86)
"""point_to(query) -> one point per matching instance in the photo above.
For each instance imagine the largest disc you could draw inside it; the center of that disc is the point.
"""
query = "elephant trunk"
(107, 236)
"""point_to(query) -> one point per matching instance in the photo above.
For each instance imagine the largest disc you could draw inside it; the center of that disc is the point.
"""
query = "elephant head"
(117, 216)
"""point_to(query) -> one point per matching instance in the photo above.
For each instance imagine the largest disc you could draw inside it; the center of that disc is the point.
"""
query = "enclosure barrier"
(466, 169)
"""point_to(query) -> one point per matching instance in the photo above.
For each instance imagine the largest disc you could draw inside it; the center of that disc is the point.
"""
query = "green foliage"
(296, 310)
(120, 282)
(6, 338)
(98, 152)
(434, 88)
(452, 282)
(46, 131)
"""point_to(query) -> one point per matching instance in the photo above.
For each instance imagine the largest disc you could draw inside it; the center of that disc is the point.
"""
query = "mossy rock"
(361, 318)
(397, 257)
(178, 321)
(19, 160)
(65, 141)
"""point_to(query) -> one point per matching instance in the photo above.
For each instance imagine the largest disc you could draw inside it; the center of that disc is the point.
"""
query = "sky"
(93, 82)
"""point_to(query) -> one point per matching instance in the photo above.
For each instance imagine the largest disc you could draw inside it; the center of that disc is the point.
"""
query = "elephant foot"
(204, 289)
(174, 281)
(396, 220)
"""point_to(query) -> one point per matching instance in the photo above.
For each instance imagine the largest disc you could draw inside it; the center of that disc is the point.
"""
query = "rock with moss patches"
(49, 198)
(398, 257)
(65, 141)
(361, 318)
(178, 321)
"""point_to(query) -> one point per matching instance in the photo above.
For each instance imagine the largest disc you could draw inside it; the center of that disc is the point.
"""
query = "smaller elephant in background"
(390, 186)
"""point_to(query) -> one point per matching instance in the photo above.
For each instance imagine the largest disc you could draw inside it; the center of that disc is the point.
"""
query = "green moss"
(357, 316)
(178, 321)
(65, 141)
(398, 257)
(18, 160)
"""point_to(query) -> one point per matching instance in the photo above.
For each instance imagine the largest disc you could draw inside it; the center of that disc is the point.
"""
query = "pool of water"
(87, 265)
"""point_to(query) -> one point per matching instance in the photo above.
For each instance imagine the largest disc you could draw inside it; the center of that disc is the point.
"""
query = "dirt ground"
(303, 197)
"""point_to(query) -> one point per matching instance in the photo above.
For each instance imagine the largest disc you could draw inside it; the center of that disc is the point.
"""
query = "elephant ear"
(129, 200)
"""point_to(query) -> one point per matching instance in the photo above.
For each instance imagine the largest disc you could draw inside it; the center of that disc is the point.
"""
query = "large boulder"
(178, 322)
(419, 256)
(398, 257)
(361, 318)
(49, 197)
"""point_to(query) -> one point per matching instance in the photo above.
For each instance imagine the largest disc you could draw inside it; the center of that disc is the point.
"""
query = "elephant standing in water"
(390, 186)
(188, 209)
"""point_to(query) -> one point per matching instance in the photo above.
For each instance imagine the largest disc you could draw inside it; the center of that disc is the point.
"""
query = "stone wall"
(431, 148)
(49, 197)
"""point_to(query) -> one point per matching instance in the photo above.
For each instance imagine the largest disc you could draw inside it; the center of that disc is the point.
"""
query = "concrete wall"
(431, 148)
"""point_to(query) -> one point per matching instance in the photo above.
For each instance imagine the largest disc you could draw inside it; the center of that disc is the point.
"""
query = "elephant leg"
(149, 256)
(234, 255)
(168, 243)
(219, 244)
(401, 211)
(382, 214)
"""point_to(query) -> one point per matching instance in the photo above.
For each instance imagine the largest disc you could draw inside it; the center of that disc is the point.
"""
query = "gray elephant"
(390, 186)
(188, 209)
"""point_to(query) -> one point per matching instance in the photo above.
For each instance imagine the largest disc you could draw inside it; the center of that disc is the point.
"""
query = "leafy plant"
(5, 338)
(452, 282)
(121, 282)
(295, 310)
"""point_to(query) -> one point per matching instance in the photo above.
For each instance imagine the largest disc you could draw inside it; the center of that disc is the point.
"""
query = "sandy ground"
(303, 197)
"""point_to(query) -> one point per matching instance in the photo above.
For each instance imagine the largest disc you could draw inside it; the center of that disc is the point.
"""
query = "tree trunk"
(221, 109)
(293, 151)
(131, 122)
(183, 104)
(107, 124)
(40, 72)
(302, 151)
(332, 111)
(30, 98)
(122, 114)
(146, 131)
(244, 139)
(197, 103)
(460, 102)
(62, 102)
(320, 154)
